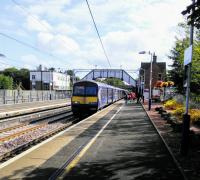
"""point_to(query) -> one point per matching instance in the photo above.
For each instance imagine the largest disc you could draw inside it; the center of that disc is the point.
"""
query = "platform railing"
(22, 96)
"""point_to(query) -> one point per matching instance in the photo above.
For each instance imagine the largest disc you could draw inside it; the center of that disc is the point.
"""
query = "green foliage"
(52, 69)
(71, 74)
(193, 15)
(19, 76)
(179, 112)
(114, 82)
(176, 74)
(194, 114)
(6, 82)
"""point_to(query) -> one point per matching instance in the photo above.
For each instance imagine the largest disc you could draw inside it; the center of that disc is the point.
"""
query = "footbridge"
(108, 73)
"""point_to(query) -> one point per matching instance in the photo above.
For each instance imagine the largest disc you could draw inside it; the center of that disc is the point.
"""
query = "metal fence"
(21, 96)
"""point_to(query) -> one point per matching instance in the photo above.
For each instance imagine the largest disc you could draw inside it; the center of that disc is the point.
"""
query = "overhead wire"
(47, 28)
(37, 20)
(30, 14)
(8, 64)
(101, 42)
(27, 44)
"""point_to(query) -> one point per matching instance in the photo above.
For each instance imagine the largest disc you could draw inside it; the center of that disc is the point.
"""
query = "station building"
(49, 80)
(158, 72)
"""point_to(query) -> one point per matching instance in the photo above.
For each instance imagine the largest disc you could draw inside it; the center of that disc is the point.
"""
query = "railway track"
(15, 139)
(14, 122)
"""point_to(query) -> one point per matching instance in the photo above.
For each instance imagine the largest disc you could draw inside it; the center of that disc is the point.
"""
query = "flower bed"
(178, 110)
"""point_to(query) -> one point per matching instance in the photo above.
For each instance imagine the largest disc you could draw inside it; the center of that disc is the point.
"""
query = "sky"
(62, 35)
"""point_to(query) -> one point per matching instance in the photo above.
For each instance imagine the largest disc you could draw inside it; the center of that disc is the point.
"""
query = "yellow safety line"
(75, 161)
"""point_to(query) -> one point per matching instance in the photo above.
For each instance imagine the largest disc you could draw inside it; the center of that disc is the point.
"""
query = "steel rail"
(17, 134)
(57, 117)
(9, 154)
(11, 128)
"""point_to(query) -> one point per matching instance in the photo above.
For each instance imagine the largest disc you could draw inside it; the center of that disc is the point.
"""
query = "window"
(159, 76)
(33, 76)
(79, 90)
(91, 91)
(142, 79)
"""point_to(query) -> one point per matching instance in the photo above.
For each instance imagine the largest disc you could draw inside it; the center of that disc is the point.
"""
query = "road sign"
(188, 55)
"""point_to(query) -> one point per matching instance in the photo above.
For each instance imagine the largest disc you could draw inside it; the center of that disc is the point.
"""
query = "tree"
(70, 72)
(114, 82)
(20, 77)
(176, 74)
(72, 75)
(24, 78)
(195, 15)
(177, 71)
(6, 82)
(52, 69)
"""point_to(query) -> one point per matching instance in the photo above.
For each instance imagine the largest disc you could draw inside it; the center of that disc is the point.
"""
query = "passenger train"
(90, 96)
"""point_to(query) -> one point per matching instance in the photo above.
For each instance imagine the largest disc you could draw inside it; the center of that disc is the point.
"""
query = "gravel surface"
(27, 137)
(191, 162)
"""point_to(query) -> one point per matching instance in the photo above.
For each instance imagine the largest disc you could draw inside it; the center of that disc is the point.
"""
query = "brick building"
(158, 72)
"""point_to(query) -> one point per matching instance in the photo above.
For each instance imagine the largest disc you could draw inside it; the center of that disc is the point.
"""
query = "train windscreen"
(85, 91)
(79, 91)
(90, 91)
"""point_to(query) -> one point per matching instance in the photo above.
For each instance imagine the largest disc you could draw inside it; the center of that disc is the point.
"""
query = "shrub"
(172, 104)
(195, 115)
(179, 112)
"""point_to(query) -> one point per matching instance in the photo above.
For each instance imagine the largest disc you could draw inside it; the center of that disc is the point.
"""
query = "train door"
(112, 96)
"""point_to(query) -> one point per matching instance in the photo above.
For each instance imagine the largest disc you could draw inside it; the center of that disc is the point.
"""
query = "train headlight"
(76, 102)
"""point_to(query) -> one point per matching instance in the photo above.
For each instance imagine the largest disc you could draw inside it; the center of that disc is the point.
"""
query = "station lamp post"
(150, 79)
(142, 83)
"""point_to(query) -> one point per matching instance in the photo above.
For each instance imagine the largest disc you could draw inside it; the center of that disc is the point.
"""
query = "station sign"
(188, 55)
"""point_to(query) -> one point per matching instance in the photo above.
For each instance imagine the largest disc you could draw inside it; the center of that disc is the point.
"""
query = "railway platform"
(11, 110)
(118, 142)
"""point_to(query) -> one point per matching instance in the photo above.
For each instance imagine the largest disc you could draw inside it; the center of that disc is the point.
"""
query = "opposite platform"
(22, 108)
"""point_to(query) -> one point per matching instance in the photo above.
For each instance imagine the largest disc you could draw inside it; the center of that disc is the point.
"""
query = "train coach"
(90, 96)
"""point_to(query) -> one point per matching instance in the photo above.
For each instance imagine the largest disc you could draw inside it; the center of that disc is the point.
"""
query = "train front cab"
(84, 99)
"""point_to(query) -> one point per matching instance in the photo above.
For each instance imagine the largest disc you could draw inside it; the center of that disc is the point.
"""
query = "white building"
(49, 80)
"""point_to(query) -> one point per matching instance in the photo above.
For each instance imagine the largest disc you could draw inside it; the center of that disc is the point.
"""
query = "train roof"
(100, 84)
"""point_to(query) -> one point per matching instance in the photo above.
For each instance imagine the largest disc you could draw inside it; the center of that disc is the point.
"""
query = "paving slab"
(127, 147)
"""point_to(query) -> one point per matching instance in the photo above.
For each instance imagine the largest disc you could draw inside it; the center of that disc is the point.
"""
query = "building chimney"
(154, 58)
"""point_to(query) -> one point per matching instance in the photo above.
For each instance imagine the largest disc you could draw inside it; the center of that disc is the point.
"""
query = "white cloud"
(50, 8)
(34, 23)
(63, 28)
(126, 27)
(57, 43)
(31, 61)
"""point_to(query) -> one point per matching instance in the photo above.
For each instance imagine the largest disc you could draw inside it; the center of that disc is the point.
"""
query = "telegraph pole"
(186, 116)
